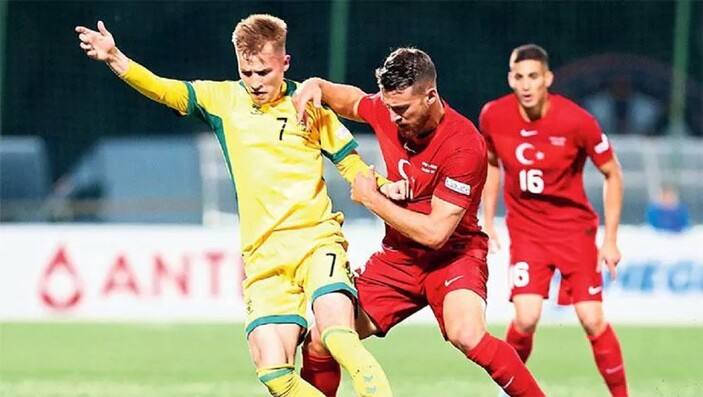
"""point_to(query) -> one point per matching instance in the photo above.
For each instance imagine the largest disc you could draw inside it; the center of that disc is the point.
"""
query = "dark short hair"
(530, 52)
(405, 67)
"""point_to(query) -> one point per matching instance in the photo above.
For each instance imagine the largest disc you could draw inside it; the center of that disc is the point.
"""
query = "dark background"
(51, 89)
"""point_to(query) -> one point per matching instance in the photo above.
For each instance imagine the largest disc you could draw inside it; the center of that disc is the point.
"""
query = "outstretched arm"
(343, 99)
(100, 46)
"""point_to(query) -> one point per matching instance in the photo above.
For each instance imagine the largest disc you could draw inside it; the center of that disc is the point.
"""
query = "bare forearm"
(342, 98)
(612, 201)
(490, 195)
(413, 225)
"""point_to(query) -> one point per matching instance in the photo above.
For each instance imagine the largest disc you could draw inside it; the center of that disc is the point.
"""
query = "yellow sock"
(367, 375)
(282, 381)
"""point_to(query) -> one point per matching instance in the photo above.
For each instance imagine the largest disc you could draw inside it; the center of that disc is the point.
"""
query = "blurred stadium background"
(119, 271)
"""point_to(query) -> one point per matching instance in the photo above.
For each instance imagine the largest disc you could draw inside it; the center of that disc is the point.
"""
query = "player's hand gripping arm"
(352, 165)
(100, 46)
(431, 230)
(397, 191)
(490, 200)
(343, 99)
(609, 252)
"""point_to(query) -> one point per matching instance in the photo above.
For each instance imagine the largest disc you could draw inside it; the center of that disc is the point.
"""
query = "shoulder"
(495, 112)
(578, 122)
(460, 123)
(570, 109)
(371, 108)
(372, 101)
(225, 87)
(214, 96)
(462, 135)
(222, 85)
(498, 106)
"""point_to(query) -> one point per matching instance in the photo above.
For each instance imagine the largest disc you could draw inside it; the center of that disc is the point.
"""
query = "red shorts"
(532, 265)
(391, 290)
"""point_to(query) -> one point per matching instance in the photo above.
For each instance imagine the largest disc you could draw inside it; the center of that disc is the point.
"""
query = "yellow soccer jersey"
(276, 163)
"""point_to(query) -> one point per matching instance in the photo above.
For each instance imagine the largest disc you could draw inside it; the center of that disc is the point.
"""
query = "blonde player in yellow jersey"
(292, 242)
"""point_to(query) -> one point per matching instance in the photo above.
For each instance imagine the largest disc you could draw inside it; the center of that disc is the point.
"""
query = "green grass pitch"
(125, 360)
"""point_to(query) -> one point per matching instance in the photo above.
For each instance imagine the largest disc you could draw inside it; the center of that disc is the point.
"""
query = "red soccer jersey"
(543, 165)
(452, 167)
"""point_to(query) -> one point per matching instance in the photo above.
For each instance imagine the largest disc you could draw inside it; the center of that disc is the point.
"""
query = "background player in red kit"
(434, 252)
(541, 142)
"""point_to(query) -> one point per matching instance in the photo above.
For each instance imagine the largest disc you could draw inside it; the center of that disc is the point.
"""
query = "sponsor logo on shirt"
(256, 110)
(428, 168)
(527, 133)
(459, 187)
(408, 148)
(557, 140)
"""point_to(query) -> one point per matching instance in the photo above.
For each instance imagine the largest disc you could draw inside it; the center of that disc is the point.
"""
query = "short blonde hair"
(255, 31)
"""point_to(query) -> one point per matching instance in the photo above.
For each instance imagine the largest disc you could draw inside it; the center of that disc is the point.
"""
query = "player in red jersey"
(434, 252)
(541, 142)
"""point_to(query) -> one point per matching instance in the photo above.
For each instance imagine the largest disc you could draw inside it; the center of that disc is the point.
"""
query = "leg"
(605, 346)
(334, 314)
(319, 367)
(590, 314)
(529, 276)
(272, 344)
(464, 321)
(456, 293)
(329, 285)
(520, 334)
(387, 292)
(275, 308)
(582, 285)
(272, 348)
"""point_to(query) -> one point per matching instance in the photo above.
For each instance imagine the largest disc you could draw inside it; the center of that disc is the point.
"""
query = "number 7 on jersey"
(283, 126)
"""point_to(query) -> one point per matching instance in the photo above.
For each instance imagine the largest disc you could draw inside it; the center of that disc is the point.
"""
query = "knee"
(264, 358)
(333, 309)
(593, 324)
(465, 338)
(526, 322)
(274, 344)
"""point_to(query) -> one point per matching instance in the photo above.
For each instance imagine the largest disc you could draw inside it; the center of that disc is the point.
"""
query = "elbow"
(436, 239)
(613, 172)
